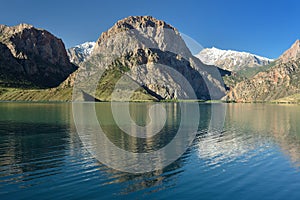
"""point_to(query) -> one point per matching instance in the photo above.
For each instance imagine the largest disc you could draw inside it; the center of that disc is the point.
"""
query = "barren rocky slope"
(281, 80)
(141, 47)
(32, 57)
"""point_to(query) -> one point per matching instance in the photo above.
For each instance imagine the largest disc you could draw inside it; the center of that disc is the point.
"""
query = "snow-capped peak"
(86, 48)
(230, 59)
(81, 52)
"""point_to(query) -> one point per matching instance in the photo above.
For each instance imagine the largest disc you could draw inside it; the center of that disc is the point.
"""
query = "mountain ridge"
(36, 57)
(230, 59)
(279, 81)
(292, 53)
(140, 46)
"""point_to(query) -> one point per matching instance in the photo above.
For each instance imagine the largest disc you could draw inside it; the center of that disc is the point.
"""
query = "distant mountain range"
(278, 82)
(138, 55)
(35, 66)
(231, 60)
(224, 59)
(81, 52)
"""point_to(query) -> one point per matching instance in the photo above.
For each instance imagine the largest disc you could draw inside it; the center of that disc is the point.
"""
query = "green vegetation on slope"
(17, 94)
(109, 80)
(104, 90)
(245, 74)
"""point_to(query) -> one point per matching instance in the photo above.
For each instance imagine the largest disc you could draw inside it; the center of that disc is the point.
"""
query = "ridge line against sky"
(266, 28)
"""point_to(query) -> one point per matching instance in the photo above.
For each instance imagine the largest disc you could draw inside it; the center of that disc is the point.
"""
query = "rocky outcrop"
(147, 67)
(141, 46)
(279, 81)
(140, 32)
(35, 56)
(11, 71)
(292, 53)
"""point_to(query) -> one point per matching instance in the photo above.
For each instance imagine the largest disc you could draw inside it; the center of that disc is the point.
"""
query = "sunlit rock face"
(279, 81)
(147, 50)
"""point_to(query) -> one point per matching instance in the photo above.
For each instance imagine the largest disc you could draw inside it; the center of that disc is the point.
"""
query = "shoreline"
(163, 101)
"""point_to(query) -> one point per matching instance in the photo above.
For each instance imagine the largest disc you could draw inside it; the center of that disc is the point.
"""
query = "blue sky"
(263, 27)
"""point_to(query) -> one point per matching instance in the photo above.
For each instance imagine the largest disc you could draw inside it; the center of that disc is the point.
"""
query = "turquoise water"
(256, 156)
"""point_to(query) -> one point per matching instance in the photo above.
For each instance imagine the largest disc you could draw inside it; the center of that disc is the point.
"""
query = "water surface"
(257, 155)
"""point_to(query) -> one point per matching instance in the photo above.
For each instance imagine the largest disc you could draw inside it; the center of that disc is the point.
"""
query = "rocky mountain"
(32, 57)
(81, 52)
(231, 60)
(293, 53)
(279, 81)
(142, 49)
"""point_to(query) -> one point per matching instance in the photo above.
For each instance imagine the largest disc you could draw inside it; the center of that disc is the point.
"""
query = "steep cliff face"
(140, 32)
(148, 68)
(36, 56)
(139, 47)
(11, 71)
(293, 53)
